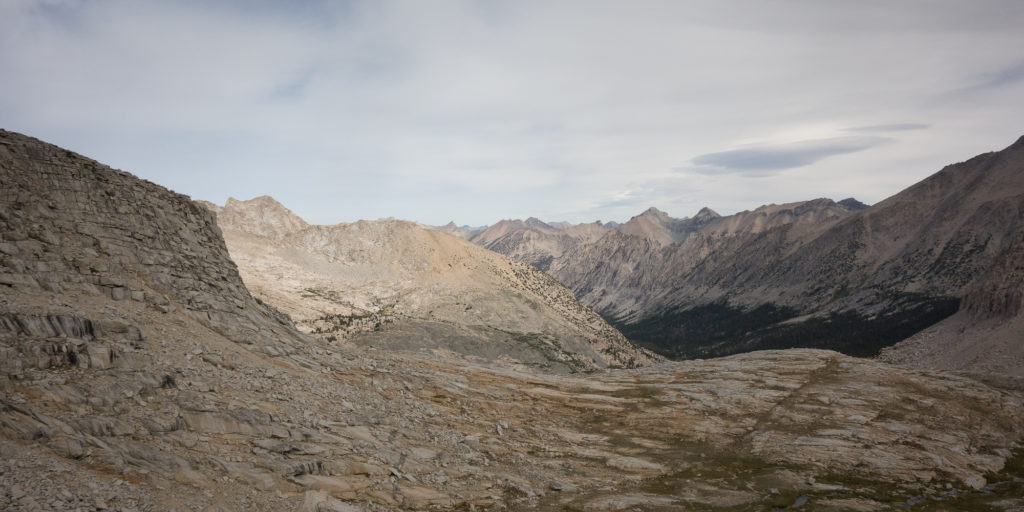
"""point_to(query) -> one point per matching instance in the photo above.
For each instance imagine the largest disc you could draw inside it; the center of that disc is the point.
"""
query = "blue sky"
(475, 111)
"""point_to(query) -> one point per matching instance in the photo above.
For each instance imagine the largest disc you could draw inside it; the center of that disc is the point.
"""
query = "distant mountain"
(853, 204)
(657, 226)
(534, 222)
(397, 284)
(816, 212)
(624, 271)
(820, 273)
(464, 232)
(534, 241)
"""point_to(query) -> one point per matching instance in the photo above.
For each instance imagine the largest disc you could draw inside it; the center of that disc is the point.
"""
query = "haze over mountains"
(138, 372)
(816, 273)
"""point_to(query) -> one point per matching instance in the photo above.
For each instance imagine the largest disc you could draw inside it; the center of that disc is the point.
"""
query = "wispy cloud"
(629, 200)
(981, 85)
(894, 127)
(767, 160)
(1002, 78)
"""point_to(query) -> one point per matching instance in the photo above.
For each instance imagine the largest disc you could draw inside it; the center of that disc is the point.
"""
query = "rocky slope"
(824, 274)
(534, 241)
(621, 270)
(955, 239)
(73, 227)
(985, 334)
(656, 226)
(262, 216)
(653, 265)
(643, 269)
(942, 236)
(203, 399)
(396, 284)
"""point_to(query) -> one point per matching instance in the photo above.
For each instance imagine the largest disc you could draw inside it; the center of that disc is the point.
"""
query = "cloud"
(895, 127)
(766, 160)
(475, 111)
(1005, 77)
(629, 200)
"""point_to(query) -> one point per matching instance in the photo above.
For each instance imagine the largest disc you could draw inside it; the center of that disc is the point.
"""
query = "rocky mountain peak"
(705, 215)
(853, 204)
(534, 222)
(655, 213)
(263, 201)
(1019, 144)
(822, 205)
(655, 225)
(464, 231)
(262, 215)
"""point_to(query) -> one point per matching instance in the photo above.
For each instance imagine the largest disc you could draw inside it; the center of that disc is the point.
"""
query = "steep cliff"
(74, 227)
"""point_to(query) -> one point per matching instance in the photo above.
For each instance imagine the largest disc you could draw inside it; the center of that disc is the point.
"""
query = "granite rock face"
(73, 226)
(261, 216)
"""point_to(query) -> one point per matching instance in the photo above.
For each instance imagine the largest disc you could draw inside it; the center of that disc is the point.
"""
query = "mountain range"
(818, 273)
(396, 284)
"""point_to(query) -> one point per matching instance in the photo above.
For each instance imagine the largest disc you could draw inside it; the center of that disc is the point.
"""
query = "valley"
(158, 357)
(841, 275)
(511, 256)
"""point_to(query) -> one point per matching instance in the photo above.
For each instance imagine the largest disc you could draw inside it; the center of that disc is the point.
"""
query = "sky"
(476, 111)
